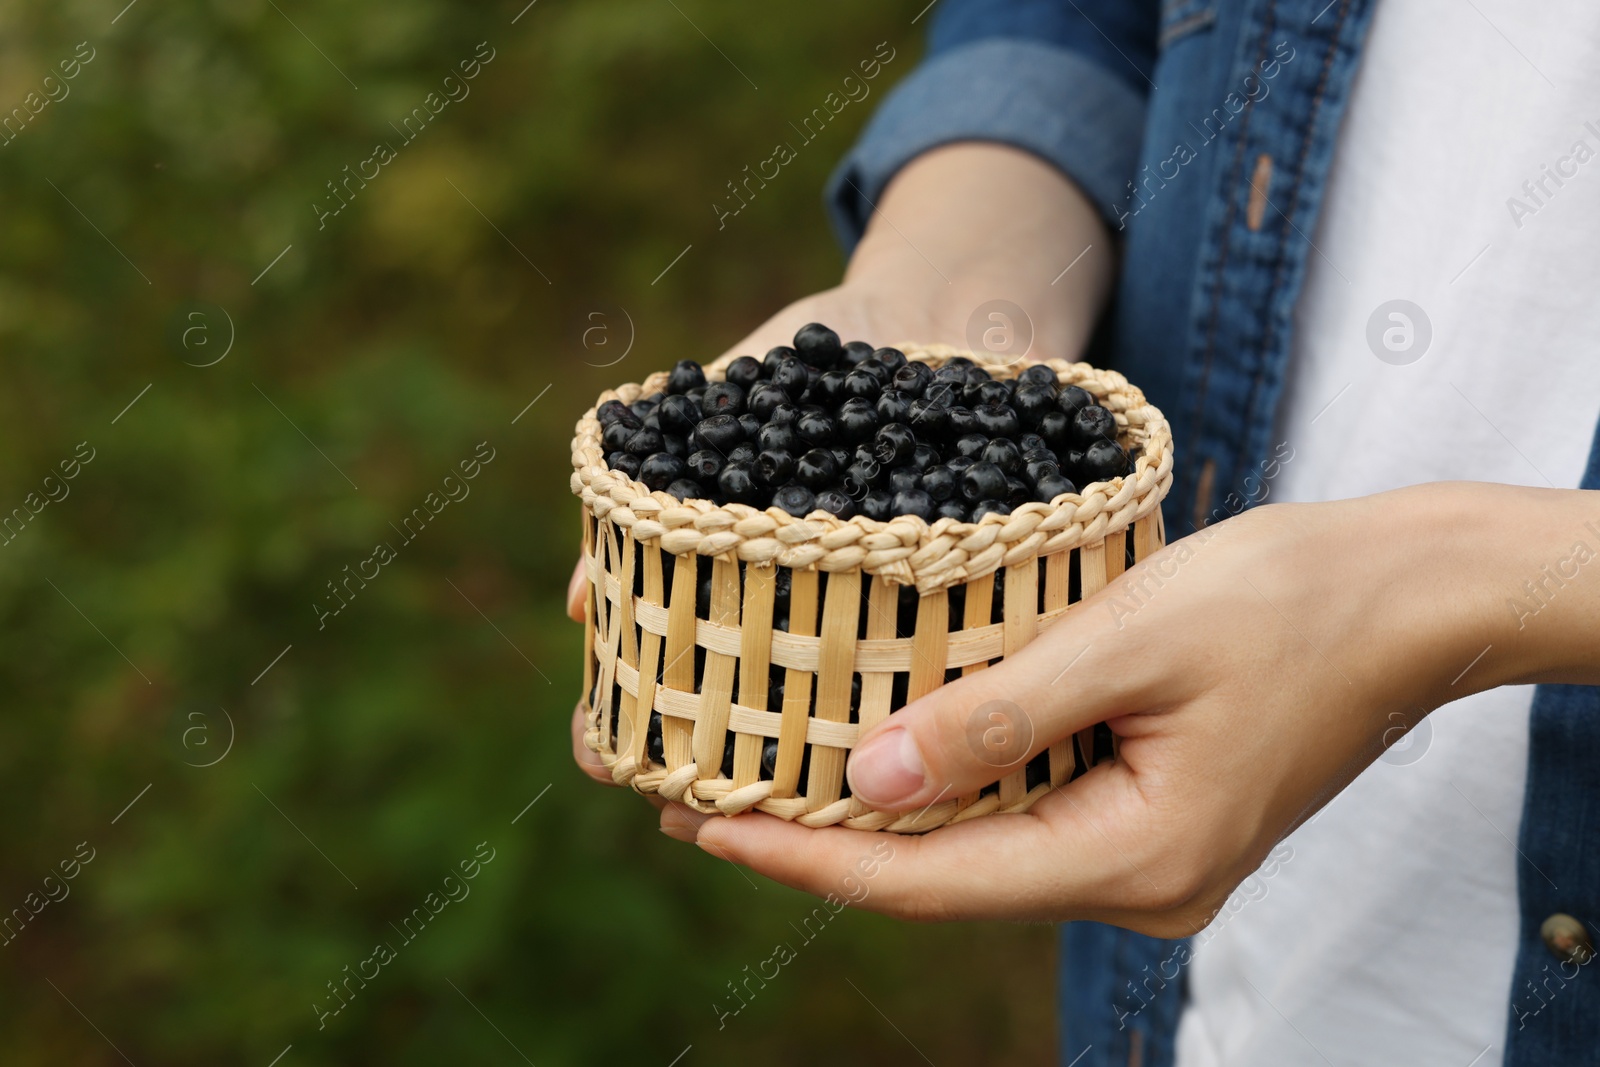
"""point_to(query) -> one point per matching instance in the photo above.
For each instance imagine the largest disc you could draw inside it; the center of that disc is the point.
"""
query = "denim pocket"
(1181, 18)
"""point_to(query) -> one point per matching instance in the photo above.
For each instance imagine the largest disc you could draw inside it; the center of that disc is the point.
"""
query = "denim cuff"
(1040, 98)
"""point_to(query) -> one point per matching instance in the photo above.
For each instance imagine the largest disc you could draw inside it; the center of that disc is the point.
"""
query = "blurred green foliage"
(142, 611)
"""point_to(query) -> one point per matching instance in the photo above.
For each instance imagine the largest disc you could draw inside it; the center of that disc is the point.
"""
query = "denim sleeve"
(1063, 79)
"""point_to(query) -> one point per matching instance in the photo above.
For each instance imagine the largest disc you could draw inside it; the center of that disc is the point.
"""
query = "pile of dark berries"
(850, 429)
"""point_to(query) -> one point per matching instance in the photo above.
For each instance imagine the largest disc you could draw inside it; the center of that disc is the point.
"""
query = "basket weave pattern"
(982, 591)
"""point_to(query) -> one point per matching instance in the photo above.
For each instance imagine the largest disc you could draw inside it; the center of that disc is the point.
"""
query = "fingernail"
(887, 769)
(679, 833)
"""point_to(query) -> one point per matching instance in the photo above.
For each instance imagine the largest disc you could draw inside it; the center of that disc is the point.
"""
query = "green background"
(141, 613)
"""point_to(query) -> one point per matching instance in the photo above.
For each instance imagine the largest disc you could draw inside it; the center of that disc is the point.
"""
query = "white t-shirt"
(1389, 936)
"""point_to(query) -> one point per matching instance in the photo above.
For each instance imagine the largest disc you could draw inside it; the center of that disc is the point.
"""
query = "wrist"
(1448, 557)
(972, 300)
(969, 225)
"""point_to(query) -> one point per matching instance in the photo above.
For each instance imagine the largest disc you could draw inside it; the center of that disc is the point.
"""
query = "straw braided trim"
(906, 550)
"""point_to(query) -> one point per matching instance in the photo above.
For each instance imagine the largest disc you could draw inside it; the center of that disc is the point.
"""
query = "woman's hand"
(1250, 672)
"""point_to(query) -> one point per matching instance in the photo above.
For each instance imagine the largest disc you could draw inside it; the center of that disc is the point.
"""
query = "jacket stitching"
(1292, 201)
(1196, 419)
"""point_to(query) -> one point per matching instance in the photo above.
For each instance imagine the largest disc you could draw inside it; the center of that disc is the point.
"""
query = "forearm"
(973, 222)
(1544, 598)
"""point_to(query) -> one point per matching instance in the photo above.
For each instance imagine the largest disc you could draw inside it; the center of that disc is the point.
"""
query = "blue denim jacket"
(1251, 96)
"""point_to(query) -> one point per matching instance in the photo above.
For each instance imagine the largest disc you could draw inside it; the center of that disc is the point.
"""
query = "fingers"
(1056, 862)
(973, 731)
(849, 313)
(780, 328)
(588, 761)
(577, 593)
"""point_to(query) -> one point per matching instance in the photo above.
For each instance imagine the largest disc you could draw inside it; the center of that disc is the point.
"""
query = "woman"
(1347, 250)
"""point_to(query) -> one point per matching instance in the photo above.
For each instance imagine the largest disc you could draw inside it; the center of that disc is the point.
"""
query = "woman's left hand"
(1250, 672)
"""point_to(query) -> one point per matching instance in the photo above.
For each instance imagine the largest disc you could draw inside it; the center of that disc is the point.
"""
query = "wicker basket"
(877, 614)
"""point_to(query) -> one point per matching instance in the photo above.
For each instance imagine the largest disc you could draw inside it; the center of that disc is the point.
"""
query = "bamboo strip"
(627, 723)
(649, 655)
(979, 612)
(1092, 576)
(716, 689)
(877, 686)
(841, 612)
(976, 616)
(1116, 567)
(587, 553)
(611, 635)
(685, 709)
(930, 647)
(1116, 555)
(1057, 570)
(1147, 536)
(796, 688)
(979, 645)
(755, 660)
(1021, 626)
(678, 674)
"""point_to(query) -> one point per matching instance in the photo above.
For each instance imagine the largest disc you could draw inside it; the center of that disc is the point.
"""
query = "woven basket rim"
(906, 549)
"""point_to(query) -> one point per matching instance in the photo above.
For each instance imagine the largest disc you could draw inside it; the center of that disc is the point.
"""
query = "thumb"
(979, 728)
